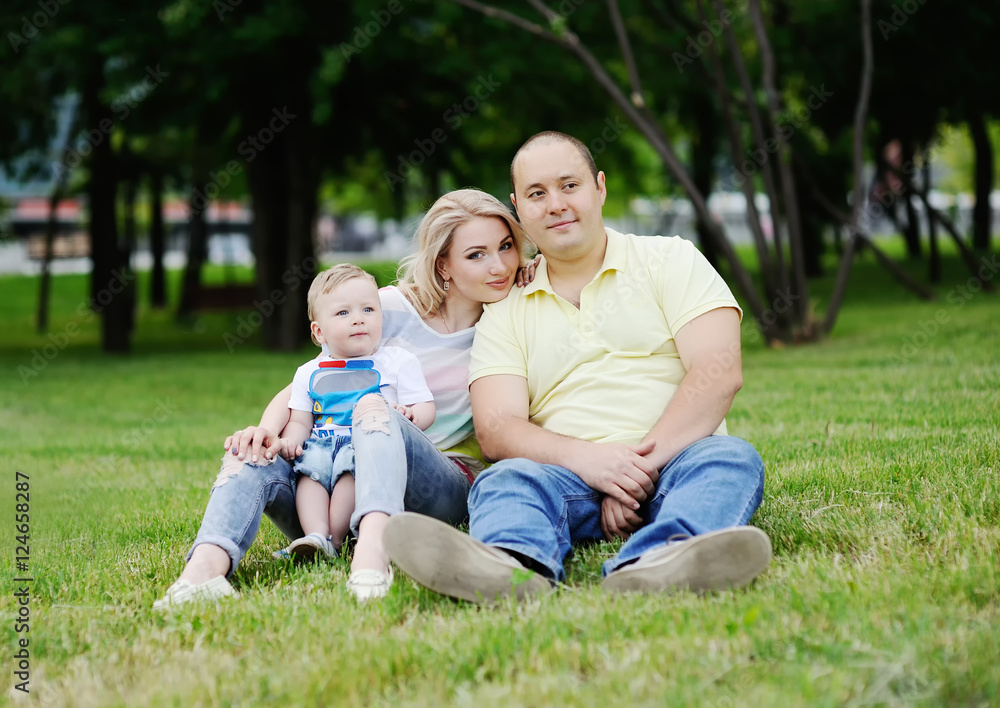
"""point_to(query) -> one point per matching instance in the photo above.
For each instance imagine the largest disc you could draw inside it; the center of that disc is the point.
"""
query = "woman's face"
(482, 261)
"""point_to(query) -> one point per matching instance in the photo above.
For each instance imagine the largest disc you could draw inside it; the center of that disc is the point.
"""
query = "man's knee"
(371, 414)
(749, 456)
(742, 455)
(506, 476)
(729, 447)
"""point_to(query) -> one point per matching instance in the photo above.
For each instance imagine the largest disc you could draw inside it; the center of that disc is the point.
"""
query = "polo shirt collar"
(615, 258)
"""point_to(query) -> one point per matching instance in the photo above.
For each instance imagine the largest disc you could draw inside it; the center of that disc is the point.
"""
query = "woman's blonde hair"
(419, 279)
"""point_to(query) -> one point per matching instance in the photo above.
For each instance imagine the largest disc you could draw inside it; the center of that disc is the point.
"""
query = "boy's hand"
(287, 448)
(404, 411)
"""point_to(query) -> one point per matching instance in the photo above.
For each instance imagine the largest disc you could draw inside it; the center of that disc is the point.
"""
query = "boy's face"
(349, 319)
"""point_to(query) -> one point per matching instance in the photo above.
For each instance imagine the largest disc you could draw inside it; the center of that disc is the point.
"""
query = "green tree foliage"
(383, 104)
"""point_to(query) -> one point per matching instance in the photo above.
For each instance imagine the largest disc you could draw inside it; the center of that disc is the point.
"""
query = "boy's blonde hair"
(329, 279)
(419, 279)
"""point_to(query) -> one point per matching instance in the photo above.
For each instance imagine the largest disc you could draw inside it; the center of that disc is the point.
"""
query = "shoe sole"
(449, 562)
(718, 560)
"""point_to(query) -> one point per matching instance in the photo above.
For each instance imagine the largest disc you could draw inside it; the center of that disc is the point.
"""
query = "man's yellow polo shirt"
(604, 372)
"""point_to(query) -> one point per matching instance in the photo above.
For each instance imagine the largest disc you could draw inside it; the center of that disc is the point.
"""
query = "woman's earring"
(446, 285)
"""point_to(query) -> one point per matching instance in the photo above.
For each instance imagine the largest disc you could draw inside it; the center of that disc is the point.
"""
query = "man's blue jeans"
(541, 510)
(396, 471)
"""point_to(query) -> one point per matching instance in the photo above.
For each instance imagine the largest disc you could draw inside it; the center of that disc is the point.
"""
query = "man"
(602, 388)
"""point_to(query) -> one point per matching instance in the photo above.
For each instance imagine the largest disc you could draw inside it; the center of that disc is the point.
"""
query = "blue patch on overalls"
(337, 385)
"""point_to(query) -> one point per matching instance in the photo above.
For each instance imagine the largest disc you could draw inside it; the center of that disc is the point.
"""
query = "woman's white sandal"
(367, 584)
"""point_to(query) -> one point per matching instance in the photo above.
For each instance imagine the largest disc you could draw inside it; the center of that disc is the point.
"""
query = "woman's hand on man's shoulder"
(526, 273)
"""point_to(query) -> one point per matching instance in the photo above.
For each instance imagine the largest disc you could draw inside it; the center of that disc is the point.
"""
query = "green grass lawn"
(882, 501)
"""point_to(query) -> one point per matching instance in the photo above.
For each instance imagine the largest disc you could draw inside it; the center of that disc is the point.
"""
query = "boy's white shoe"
(184, 591)
(306, 548)
(718, 560)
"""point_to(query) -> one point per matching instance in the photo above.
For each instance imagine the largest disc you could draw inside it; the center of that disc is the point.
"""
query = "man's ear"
(602, 187)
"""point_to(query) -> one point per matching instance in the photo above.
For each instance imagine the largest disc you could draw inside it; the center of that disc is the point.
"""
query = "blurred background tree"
(381, 105)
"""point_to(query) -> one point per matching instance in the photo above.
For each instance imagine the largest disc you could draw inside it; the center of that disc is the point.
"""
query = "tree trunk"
(812, 230)
(284, 182)
(779, 327)
(911, 232)
(650, 128)
(703, 151)
(128, 245)
(45, 284)
(760, 139)
(858, 154)
(789, 191)
(52, 225)
(981, 213)
(841, 219)
(157, 241)
(971, 262)
(197, 246)
(110, 277)
(934, 272)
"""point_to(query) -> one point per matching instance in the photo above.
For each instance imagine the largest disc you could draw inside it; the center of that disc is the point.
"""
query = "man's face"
(558, 202)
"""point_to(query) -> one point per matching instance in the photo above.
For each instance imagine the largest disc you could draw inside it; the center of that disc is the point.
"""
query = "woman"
(469, 251)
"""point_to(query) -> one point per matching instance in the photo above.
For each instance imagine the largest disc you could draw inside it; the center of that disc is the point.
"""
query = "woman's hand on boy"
(250, 440)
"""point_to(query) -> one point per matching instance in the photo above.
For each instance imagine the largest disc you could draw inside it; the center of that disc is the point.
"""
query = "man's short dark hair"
(553, 136)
